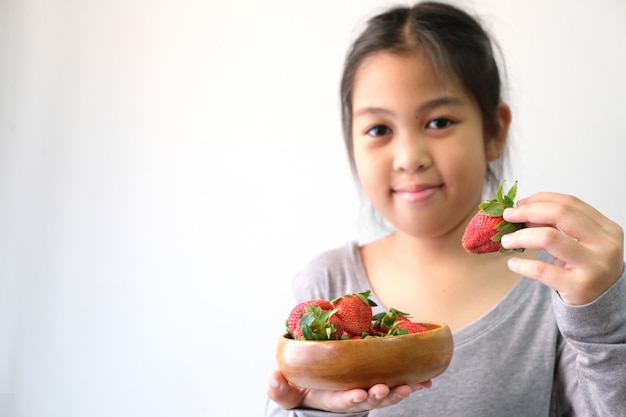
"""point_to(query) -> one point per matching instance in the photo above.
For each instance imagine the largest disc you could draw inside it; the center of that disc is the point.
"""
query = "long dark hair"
(456, 44)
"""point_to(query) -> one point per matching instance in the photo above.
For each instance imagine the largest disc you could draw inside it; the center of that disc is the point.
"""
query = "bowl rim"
(431, 325)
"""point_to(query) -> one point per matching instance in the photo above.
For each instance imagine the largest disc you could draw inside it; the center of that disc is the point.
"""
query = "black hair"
(458, 47)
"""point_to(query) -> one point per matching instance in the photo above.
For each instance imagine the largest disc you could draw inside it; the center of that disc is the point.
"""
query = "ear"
(495, 144)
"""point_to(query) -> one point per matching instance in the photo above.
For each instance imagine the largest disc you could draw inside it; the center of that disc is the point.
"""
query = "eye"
(439, 123)
(378, 130)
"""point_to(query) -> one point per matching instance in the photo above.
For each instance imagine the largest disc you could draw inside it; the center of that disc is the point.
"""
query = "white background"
(166, 167)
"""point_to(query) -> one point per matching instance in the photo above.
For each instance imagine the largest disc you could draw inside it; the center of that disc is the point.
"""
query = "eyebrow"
(424, 107)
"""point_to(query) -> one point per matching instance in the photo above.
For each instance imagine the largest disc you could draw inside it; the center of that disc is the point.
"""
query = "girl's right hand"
(352, 401)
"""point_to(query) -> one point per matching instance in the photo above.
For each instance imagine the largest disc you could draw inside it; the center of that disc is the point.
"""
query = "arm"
(589, 299)
(594, 353)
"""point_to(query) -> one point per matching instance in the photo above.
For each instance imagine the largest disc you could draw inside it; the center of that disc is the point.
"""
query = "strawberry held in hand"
(484, 231)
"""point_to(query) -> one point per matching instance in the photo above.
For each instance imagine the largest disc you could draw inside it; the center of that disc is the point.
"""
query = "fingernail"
(511, 262)
(505, 240)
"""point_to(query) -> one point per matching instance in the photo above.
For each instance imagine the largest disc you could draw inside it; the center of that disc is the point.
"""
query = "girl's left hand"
(588, 248)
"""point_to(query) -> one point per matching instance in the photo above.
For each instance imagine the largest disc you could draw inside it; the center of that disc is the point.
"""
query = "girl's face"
(419, 146)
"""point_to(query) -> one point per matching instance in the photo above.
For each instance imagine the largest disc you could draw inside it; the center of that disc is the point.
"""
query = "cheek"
(462, 165)
(474, 171)
(371, 170)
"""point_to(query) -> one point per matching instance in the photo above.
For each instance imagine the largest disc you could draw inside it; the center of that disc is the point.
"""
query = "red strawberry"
(410, 326)
(297, 333)
(300, 309)
(384, 322)
(314, 320)
(486, 228)
(355, 311)
(479, 233)
(318, 324)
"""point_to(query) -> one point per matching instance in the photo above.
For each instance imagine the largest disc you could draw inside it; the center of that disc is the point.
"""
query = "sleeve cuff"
(600, 321)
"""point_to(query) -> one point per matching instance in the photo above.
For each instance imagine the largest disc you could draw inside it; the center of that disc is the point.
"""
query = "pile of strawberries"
(347, 317)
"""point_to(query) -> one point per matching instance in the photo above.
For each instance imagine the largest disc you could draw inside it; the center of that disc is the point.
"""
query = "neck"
(442, 258)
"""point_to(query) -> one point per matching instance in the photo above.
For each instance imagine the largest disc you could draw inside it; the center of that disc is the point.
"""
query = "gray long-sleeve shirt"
(531, 355)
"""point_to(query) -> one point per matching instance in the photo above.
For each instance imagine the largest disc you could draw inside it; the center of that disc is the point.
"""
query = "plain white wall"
(167, 166)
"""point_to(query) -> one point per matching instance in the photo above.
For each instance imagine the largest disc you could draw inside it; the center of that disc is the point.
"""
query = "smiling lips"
(415, 193)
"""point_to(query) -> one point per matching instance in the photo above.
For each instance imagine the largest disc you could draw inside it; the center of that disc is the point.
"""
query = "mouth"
(414, 193)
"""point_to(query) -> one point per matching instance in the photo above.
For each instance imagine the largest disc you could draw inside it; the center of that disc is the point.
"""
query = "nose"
(411, 154)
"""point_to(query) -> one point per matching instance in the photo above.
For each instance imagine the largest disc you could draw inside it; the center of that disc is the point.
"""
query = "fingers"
(569, 227)
(588, 247)
(401, 392)
(422, 385)
(394, 395)
(353, 401)
(568, 213)
(558, 244)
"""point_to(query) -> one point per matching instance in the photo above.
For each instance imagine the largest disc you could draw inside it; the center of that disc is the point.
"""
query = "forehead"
(385, 74)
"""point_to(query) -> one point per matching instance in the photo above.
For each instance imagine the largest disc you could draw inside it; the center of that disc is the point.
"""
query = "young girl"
(538, 333)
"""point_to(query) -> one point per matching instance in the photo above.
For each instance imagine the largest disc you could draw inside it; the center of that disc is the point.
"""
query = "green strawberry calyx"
(495, 208)
(315, 324)
(387, 322)
(364, 296)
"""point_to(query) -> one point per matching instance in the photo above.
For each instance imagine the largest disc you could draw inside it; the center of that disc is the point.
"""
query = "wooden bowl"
(361, 363)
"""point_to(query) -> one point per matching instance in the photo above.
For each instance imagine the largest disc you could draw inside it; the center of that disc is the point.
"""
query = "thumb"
(283, 393)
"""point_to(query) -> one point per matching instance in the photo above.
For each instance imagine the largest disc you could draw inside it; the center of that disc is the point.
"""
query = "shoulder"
(330, 274)
(337, 258)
